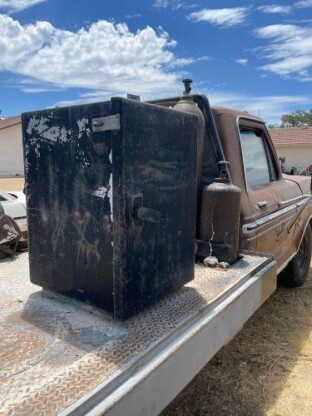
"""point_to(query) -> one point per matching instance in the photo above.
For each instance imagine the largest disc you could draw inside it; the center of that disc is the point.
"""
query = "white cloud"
(174, 4)
(161, 4)
(241, 61)
(303, 4)
(133, 16)
(270, 108)
(17, 5)
(34, 90)
(105, 56)
(275, 9)
(289, 50)
(181, 5)
(221, 17)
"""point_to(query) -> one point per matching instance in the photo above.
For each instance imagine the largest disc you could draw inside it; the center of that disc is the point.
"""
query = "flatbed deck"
(59, 356)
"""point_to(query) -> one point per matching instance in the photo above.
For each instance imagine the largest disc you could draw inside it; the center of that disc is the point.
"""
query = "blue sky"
(256, 57)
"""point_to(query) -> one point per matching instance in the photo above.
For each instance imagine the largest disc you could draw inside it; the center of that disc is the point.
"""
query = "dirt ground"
(11, 184)
(265, 370)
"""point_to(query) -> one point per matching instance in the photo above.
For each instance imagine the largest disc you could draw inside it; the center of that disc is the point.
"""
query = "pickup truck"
(155, 230)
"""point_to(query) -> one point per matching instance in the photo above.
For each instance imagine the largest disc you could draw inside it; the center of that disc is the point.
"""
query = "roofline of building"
(291, 144)
(11, 125)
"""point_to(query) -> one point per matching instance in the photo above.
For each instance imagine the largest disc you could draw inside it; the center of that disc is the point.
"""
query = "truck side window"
(256, 158)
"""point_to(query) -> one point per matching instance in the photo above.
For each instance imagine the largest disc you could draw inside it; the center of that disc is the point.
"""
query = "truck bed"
(59, 356)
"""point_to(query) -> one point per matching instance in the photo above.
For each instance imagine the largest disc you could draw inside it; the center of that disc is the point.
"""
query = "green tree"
(298, 117)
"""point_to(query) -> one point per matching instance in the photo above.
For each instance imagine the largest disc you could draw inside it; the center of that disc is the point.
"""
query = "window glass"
(255, 158)
(2, 199)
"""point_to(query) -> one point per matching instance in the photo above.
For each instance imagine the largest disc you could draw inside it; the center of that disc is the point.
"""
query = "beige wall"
(11, 151)
(299, 156)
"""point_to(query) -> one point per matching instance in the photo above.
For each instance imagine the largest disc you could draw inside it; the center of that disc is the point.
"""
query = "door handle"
(262, 204)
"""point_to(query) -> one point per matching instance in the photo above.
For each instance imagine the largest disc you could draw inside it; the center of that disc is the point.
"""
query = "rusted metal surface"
(54, 350)
(258, 203)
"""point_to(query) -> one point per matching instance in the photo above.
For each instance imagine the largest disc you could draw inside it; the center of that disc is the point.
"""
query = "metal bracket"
(106, 123)
(133, 97)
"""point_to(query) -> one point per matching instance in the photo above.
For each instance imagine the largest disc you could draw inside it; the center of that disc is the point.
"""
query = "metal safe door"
(154, 194)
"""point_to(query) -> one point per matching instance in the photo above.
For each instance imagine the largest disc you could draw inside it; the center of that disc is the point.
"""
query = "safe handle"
(148, 215)
(141, 213)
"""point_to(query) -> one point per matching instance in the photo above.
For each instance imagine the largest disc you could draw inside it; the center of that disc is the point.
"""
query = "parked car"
(14, 204)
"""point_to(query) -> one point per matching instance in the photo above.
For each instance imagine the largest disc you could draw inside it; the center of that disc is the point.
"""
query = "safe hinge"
(106, 123)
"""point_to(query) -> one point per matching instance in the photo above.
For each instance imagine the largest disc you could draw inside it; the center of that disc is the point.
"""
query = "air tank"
(220, 216)
(187, 104)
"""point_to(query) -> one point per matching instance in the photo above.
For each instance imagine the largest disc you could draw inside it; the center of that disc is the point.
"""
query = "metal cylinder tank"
(187, 104)
(220, 218)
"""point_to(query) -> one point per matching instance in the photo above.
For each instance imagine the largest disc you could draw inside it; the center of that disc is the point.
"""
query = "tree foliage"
(298, 118)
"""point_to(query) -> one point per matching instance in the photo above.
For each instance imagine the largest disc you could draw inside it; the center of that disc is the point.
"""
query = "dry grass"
(11, 184)
(265, 370)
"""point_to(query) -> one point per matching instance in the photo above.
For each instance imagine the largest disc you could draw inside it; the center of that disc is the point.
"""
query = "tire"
(296, 272)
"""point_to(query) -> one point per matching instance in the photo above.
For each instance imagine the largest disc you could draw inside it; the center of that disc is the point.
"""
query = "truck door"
(270, 195)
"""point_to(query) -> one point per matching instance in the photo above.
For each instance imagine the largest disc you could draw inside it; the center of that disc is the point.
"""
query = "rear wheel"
(296, 272)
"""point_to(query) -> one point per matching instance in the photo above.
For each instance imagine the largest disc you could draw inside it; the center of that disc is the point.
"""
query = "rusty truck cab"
(268, 198)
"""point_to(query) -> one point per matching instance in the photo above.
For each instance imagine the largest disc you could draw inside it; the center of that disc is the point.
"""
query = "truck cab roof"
(217, 111)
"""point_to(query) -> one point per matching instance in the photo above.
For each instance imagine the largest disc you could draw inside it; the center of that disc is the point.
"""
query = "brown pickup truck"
(275, 208)
(156, 230)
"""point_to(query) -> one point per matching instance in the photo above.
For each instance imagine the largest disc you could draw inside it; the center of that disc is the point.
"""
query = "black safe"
(111, 191)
